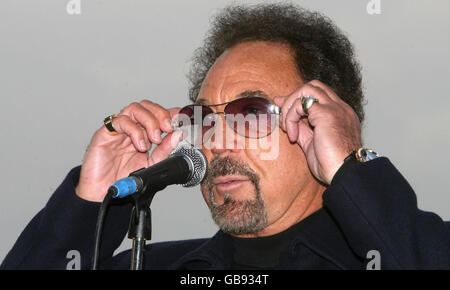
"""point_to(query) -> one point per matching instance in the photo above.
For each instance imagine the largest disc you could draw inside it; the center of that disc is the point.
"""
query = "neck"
(308, 201)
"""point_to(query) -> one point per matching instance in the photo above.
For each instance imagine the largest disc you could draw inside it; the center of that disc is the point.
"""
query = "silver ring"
(307, 103)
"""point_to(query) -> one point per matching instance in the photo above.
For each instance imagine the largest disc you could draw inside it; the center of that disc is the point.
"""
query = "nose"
(223, 138)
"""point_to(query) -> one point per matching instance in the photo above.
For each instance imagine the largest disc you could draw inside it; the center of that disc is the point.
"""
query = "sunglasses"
(251, 117)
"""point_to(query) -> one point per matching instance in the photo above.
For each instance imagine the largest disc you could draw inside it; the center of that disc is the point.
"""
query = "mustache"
(221, 166)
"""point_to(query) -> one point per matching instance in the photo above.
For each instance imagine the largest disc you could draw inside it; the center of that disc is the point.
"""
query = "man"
(322, 202)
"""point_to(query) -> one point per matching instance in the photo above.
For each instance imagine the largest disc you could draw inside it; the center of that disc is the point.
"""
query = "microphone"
(186, 165)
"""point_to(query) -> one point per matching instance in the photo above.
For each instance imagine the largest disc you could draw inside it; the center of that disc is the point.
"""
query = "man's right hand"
(111, 157)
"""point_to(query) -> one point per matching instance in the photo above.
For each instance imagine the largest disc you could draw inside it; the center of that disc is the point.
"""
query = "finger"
(292, 119)
(326, 89)
(147, 120)
(305, 90)
(287, 104)
(305, 135)
(162, 115)
(167, 145)
(174, 111)
(335, 97)
(124, 125)
(279, 101)
(173, 115)
(298, 129)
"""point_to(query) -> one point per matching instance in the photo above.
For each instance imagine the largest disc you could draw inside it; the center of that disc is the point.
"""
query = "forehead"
(265, 67)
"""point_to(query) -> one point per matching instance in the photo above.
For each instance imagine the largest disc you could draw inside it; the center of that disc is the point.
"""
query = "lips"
(227, 183)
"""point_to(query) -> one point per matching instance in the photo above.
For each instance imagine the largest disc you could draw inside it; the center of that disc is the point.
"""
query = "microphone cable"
(112, 191)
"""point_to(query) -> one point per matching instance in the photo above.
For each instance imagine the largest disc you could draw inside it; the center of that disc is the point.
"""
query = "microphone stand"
(140, 227)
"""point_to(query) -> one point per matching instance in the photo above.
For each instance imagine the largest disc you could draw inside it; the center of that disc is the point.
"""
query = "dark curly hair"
(321, 50)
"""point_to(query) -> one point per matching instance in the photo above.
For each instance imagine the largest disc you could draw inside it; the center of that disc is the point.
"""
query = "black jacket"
(370, 207)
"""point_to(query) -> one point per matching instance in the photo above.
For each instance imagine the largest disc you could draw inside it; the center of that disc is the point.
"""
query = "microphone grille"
(197, 161)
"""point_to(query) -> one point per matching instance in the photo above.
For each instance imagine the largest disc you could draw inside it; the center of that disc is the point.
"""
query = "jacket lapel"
(215, 254)
(323, 236)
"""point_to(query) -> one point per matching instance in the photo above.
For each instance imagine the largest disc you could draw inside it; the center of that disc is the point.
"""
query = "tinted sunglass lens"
(251, 117)
(193, 120)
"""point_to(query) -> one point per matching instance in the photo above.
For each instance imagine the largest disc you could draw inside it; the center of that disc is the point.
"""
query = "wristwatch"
(365, 154)
(360, 155)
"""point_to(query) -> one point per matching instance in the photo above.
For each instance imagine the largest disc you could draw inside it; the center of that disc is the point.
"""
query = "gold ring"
(108, 124)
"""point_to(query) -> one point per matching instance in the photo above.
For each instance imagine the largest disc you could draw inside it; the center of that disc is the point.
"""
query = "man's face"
(248, 194)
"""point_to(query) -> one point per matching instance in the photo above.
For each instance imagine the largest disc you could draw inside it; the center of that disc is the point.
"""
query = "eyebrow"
(257, 93)
(200, 102)
(244, 94)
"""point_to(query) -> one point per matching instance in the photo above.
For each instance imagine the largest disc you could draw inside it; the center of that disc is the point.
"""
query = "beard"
(235, 216)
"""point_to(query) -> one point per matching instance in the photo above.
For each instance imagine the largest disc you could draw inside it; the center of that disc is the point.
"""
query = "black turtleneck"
(265, 252)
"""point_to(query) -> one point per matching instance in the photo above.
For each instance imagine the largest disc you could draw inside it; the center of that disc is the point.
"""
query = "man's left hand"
(327, 134)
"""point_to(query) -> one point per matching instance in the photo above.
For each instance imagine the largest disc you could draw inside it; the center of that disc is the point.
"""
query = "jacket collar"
(321, 234)
(215, 253)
